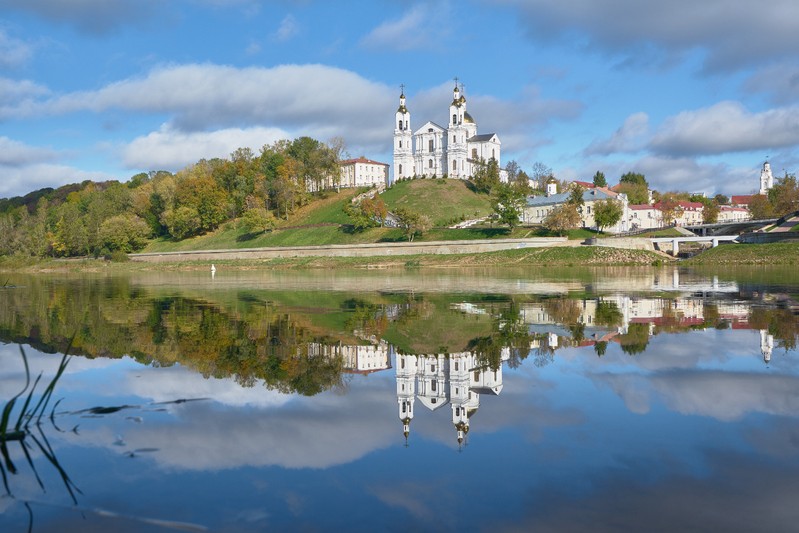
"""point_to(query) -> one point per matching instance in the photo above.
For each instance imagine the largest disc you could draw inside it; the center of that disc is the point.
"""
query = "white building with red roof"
(362, 172)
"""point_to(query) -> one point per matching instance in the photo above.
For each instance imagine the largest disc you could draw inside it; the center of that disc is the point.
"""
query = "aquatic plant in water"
(25, 430)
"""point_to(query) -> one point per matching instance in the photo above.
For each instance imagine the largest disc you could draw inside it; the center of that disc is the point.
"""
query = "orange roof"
(742, 199)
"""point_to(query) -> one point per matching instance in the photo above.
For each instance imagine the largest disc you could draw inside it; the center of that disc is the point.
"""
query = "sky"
(695, 95)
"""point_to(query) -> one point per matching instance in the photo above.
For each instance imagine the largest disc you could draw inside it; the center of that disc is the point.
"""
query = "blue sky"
(695, 95)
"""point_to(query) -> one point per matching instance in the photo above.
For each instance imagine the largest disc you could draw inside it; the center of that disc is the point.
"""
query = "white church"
(433, 151)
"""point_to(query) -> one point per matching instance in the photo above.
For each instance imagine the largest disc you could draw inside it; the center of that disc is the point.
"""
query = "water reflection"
(558, 395)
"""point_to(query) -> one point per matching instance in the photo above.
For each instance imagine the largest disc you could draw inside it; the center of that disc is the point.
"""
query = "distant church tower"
(766, 179)
(406, 389)
(403, 142)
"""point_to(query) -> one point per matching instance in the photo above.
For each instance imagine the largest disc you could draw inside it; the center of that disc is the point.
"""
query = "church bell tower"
(403, 141)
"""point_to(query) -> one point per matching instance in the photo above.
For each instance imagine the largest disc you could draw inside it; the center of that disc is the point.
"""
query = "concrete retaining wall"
(354, 250)
(629, 243)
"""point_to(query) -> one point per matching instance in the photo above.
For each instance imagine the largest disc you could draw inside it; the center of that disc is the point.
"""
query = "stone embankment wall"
(355, 250)
(629, 243)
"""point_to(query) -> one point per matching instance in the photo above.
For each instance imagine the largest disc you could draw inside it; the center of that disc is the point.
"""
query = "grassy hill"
(323, 221)
(445, 201)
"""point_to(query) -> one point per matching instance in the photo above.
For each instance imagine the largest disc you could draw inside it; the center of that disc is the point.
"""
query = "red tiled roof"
(641, 207)
(742, 199)
(584, 184)
(361, 160)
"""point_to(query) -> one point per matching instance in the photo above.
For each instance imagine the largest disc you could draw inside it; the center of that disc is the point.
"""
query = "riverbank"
(786, 254)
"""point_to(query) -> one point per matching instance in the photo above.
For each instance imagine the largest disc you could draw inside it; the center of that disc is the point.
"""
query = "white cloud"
(732, 33)
(169, 149)
(14, 153)
(422, 26)
(15, 91)
(727, 127)
(630, 137)
(13, 52)
(203, 97)
(287, 30)
(19, 180)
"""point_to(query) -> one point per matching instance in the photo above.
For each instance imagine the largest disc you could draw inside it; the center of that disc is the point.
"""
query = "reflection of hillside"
(302, 340)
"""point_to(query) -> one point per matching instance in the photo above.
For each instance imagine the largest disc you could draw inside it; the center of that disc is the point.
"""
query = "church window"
(454, 165)
(400, 125)
(429, 130)
(430, 145)
(432, 368)
(454, 118)
(402, 361)
(453, 139)
(456, 365)
(492, 154)
(474, 153)
(404, 407)
(477, 375)
(433, 386)
(400, 144)
(400, 171)
(430, 163)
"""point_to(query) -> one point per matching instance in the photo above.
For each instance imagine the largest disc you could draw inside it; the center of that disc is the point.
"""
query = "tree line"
(99, 218)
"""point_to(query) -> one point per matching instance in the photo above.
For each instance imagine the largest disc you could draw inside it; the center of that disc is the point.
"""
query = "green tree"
(182, 222)
(636, 193)
(412, 223)
(710, 211)
(721, 199)
(486, 177)
(576, 196)
(258, 220)
(599, 179)
(634, 178)
(126, 233)
(607, 213)
(508, 204)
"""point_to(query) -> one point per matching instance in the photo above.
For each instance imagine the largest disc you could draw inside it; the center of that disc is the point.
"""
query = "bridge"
(714, 240)
(729, 228)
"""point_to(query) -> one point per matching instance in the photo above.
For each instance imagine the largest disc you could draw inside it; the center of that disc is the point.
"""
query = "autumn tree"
(562, 218)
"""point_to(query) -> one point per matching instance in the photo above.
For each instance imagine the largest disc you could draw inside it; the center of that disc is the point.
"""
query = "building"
(436, 380)
(766, 179)
(362, 172)
(644, 216)
(434, 151)
(729, 213)
(539, 207)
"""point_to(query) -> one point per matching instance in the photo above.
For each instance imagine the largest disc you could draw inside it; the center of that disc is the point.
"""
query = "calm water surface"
(501, 401)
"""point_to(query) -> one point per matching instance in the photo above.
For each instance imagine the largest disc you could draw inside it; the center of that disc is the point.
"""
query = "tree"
(636, 193)
(607, 213)
(486, 177)
(258, 220)
(562, 218)
(669, 208)
(599, 179)
(413, 223)
(634, 178)
(540, 172)
(375, 208)
(760, 207)
(721, 199)
(126, 233)
(710, 211)
(576, 196)
(784, 196)
(508, 204)
(182, 222)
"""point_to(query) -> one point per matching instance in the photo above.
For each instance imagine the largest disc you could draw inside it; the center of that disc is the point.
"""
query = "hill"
(323, 221)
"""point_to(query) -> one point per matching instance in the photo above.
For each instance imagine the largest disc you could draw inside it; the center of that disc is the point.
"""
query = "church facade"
(433, 151)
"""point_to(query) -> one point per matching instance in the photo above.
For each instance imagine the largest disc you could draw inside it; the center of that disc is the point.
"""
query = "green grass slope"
(324, 222)
(445, 201)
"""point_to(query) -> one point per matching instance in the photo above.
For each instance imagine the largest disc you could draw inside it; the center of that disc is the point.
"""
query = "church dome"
(467, 118)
